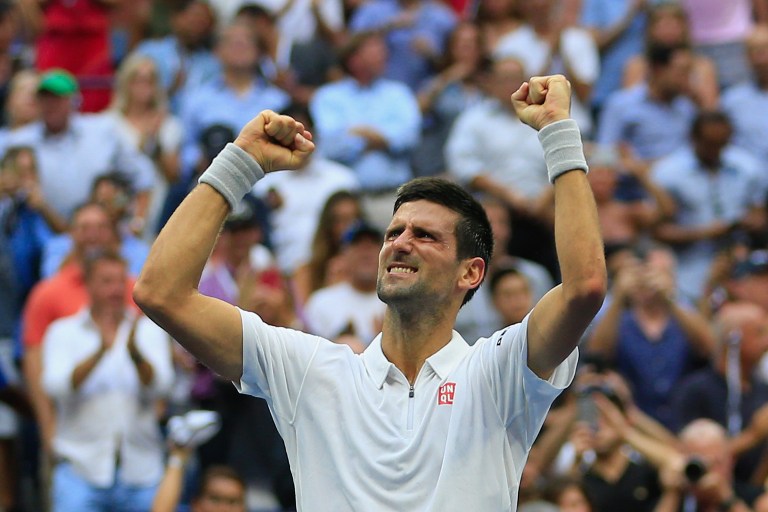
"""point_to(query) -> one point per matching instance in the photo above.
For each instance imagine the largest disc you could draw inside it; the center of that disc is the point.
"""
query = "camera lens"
(694, 470)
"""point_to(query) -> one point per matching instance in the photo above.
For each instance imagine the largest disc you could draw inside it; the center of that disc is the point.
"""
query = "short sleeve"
(275, 363)
(523, 399)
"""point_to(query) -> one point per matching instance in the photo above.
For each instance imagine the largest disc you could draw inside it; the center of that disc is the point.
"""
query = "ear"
(471, 273)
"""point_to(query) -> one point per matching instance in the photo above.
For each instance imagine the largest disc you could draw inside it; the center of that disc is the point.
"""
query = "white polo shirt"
(360, 438)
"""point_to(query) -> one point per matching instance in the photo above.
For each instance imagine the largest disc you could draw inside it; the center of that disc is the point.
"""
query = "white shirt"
(304, 193)
(111, 414)
(329, 310)
(69, 162)
(488, 139)
(578, 55)
(360, 438)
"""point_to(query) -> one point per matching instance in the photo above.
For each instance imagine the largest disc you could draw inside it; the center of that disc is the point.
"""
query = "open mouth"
(399, 268)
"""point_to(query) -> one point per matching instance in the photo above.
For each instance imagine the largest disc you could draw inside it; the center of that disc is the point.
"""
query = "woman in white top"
(140, 108)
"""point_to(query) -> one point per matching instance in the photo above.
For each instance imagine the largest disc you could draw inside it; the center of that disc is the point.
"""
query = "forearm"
(53, 219)
(606, 332)
(675, 234)
(169, 491)
(696, 329)
(144, 370)
(578, 241)
(669, 502)
(84, 369)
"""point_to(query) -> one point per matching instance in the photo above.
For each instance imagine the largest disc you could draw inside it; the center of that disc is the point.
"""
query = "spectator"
(718, 193)
(546, 46)
(718, 31)
(21, 105)
(651, 338)
(652, 119)
(75, 37)
(184, 60)
(296, 199)
(325, 266)
(61, 295)
(624, 222)
(113, 192)
(480, 155)
(27, 220)
(73, 149)
(617, 27)
(728, 391)
(140, 108)
(478, 318)
(415, 32)
(496, 18)
(232, 98)
(511, 295)
(447, 95)
(369, 123)
(745, 102)
(106, 370)
(570, 494)
(706, 443)
(246, 425)
(351, 308)
(668, 25)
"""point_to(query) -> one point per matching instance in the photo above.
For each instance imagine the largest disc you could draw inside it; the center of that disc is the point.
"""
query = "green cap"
(58, 82)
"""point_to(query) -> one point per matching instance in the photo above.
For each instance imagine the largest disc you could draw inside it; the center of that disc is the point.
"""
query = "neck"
(658, 93)
(611, 465)
(363, 285)
(239, 80)
(106, 317)
(409, 338)
(762, 80)
(134, 109)
(364, 80)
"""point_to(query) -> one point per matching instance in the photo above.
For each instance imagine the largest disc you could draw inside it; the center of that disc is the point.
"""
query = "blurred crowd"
(111, 109)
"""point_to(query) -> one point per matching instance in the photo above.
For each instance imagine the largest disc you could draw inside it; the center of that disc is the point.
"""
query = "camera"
(695, 469)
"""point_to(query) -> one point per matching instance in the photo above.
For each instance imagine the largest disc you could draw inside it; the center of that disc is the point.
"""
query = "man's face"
(370, 58)
(108, 284)
(221, 495)
(194, 24)
(418, 259)
(711, 141)
(55, 111)
(237, 48)
(92, 230)
(501, 226)
(505, 77)
(674, 78)
(512, 298)
(362, 258)
(754, 339)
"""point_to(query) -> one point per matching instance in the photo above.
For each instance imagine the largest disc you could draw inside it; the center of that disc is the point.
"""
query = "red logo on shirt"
(445, 394)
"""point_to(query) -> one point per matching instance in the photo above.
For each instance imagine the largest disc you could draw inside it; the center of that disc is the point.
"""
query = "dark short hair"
(473, 230)
(218, 471)
(709, 117)
(495, 278)
(353, 44)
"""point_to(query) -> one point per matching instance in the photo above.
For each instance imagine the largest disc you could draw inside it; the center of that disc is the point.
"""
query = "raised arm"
(561, 316)
(167, 288)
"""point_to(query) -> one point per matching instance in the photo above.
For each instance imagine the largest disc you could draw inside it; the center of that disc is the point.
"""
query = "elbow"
(152, 299)
(587, 296)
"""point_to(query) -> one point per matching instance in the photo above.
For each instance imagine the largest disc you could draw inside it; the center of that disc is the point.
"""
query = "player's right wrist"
(233, 173)
(563, 149)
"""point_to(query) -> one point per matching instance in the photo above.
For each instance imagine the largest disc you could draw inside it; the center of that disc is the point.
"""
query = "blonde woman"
(141, 110)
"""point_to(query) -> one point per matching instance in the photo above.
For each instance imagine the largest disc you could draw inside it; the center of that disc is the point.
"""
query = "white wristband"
(233, 173)
(563, 150)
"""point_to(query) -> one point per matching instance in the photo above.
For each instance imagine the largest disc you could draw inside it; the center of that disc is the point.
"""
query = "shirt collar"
(441, 362)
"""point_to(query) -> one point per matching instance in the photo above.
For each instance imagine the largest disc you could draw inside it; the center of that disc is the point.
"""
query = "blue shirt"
(652, 128)
(215, 103)
(433, 22)
(387, 106)
(703, 198)
(602, 15)
(27, 237)
(199, 67)
(747, 106)
(653, 367)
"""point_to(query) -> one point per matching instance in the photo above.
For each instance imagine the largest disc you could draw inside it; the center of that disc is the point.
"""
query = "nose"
(403, 243)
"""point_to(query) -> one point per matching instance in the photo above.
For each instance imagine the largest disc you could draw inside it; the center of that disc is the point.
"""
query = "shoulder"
(737, 93)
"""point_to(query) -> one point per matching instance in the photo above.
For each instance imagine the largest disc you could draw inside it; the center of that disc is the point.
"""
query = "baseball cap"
(58, 82)
(358, 230)
(214, 138)
(243, 216)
